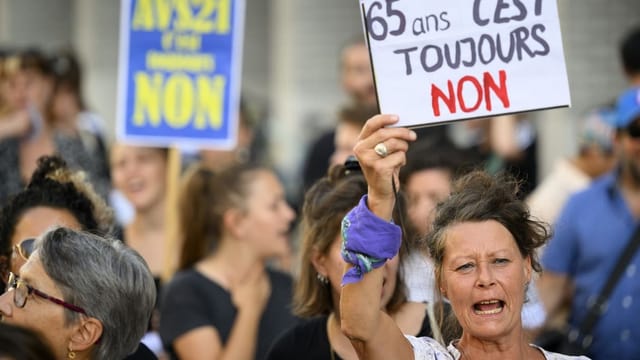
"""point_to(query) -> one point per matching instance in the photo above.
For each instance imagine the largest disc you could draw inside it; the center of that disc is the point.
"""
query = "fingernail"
(413, 135)
(395, 117)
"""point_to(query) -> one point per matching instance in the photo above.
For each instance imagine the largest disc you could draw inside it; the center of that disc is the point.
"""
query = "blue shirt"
(592, 231)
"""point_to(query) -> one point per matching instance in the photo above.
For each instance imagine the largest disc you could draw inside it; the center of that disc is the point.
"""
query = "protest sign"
(439, 61)
(179, 72)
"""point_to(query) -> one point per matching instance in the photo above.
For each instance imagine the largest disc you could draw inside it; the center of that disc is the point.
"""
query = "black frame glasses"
(22, 290)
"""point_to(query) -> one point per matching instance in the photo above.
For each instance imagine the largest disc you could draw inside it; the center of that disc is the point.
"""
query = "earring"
(323, 279)
(71, 354)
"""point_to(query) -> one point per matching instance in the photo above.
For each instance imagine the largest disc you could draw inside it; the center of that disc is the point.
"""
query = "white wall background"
(291, 61)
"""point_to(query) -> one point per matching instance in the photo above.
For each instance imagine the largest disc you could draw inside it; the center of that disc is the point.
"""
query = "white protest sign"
(443, 60)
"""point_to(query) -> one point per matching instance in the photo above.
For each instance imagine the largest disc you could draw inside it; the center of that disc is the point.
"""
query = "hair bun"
(50, 167)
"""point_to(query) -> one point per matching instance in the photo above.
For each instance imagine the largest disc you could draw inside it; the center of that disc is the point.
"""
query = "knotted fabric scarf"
(367, 241)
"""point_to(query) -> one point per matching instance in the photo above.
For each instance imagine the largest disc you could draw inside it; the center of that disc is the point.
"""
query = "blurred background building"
(291, 63)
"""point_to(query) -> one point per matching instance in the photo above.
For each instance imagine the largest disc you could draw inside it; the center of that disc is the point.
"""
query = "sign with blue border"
(179, 72)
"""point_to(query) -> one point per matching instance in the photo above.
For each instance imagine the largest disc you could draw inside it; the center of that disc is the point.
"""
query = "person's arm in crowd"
(503, 137)
(555, 291)
(555, 285)
(250, 298)
(373, 333)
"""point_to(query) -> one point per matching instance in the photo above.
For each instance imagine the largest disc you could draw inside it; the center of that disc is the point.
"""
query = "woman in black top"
(317, 292)
(225, 303)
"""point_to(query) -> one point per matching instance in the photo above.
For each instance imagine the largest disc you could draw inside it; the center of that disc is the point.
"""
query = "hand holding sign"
(379, 170)
(440, 61)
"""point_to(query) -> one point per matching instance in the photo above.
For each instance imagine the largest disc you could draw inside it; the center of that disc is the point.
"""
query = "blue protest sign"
(179, 72)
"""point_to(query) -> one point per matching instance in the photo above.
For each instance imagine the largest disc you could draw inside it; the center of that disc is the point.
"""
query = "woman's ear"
(318, 260)
(233, 223)
(443, 288)
(441, 284)
(443, 291)
(527, 269)
(87, 334)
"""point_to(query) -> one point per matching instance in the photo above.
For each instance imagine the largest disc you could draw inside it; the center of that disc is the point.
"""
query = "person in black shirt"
(317, 292)
(225, 303)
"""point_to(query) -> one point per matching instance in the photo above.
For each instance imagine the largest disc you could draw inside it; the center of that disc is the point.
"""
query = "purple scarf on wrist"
(367, 241)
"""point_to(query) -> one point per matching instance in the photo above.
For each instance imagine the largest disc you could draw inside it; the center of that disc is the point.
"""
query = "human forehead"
(355, 52)
(263, 183)
(478, 238)
(346, 128)
(129, 151)
(427, 179)
(33, 273)
(30, 74)
(37, 220)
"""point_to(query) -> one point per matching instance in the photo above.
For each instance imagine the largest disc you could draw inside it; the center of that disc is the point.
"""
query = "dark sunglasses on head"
(24, 248)
(351, 165)
(633, 130)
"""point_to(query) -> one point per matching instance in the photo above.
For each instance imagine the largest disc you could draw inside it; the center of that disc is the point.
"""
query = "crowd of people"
(432, 243)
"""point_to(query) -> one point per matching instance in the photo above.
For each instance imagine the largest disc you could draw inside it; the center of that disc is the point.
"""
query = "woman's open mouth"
(488, 307)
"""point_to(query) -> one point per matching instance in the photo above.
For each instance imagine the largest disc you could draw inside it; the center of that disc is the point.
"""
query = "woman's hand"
(252, 292)
(380, 170)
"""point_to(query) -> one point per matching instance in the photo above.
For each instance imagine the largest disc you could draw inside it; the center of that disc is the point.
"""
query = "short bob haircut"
(110, 281)
(325, 204)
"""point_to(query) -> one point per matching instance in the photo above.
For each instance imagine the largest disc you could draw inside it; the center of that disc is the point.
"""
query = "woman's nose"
(290, 214)
(485, 275)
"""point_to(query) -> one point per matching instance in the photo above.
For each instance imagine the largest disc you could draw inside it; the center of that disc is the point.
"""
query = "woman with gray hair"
(89, 297)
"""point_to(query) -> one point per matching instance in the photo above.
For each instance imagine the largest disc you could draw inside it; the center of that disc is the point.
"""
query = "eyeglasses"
(22, 290)
(24, 248)
(633, 130)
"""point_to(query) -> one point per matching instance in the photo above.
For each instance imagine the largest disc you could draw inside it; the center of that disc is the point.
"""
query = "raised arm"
(373, 334)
